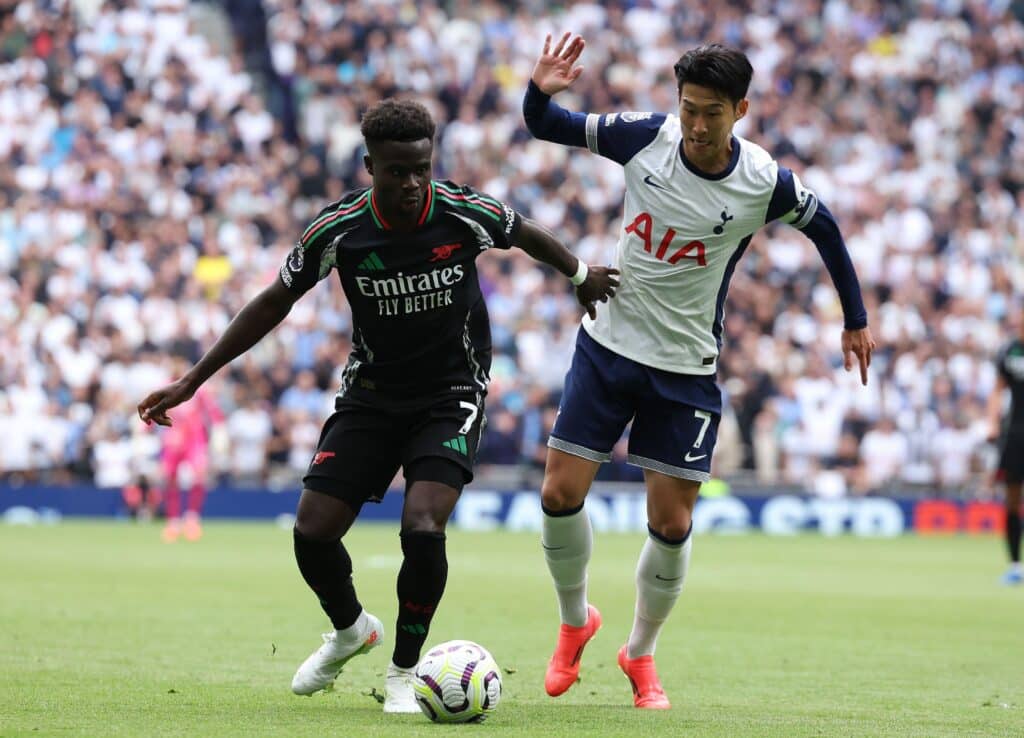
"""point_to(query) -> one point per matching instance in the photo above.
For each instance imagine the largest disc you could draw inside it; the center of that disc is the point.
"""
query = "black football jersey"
(1011, 367)
(419, 320)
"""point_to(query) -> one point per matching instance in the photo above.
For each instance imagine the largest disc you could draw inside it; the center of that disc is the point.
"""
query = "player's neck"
(404, 224)
(711, 162)
(397, 220)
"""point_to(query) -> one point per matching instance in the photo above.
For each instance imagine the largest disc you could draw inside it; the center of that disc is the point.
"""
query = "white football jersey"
(681, 236)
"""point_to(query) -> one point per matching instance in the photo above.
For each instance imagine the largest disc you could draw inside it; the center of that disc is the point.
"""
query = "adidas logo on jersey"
(371, 263)
(457, 444)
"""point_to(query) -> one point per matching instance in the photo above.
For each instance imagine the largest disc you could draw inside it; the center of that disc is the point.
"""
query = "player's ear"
(368, 163)
(741, 108)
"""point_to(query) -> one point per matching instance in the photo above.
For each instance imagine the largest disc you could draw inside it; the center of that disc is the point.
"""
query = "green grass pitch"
(109, 632)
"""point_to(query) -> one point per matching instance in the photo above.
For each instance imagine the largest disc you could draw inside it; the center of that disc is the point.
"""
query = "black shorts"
(362, 445)
(1011, 458)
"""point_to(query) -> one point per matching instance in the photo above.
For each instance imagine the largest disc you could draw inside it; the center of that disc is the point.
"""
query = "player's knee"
(312, 529)
(672, 529)
(423, 513)
(434, 486)
(424, 520)
(557, 496)
(428, 505)
(320, 517)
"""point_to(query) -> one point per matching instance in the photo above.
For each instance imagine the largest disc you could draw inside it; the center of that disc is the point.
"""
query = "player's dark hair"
(397, 120)
(717, 67)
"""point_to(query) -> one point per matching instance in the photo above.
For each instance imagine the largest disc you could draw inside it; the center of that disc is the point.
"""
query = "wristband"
(581, 274)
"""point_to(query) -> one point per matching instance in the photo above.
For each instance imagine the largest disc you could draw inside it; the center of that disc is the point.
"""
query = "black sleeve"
(494, 224)
(315, 254)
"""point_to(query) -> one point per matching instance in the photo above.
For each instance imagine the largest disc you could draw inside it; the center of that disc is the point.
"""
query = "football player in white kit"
(695, 195)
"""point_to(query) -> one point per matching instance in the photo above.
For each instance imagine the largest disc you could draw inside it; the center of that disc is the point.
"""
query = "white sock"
(567, 541)
(660, 574)
(355, 633)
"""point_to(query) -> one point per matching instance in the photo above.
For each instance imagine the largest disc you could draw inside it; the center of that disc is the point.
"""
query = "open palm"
(554, 71)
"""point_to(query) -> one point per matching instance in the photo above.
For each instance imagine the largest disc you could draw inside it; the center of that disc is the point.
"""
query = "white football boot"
(398, 693)
(322, 667)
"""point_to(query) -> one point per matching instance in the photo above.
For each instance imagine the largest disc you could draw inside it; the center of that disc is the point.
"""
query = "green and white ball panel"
(457, 682)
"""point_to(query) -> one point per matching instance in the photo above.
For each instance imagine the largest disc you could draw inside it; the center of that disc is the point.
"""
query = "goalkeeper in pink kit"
(184, 457)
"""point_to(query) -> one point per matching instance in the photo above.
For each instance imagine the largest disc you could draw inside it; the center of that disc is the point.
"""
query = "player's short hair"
(397, 120)
(717, 67)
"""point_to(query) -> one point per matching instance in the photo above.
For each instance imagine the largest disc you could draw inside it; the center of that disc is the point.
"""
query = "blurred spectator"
(162, 157)
(304, 397)
(249, 431)
(502, 445)
(884, 452)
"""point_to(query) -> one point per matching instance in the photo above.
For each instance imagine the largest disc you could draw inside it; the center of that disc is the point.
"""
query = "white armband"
(581, 274)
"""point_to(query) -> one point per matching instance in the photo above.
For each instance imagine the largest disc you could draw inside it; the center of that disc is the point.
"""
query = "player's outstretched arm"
(548, 121)
(593, 283)
(555, 70)
(259, 316)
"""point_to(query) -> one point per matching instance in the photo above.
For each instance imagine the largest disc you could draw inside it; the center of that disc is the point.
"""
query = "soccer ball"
(457, 682)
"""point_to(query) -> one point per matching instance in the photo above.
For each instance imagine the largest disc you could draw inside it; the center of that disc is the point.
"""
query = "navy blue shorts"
(675, 416)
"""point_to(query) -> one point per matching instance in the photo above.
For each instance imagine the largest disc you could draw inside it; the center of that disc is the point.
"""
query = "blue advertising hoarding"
(520, 511)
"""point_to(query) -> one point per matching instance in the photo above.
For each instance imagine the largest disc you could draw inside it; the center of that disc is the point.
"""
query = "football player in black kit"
(412, 393)
(1010, 375)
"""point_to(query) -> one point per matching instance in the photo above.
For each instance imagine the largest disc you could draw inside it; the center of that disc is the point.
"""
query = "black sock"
(421, 583)
(1013, 535)
(327, 569)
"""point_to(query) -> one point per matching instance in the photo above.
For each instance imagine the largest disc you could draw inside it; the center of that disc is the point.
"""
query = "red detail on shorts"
(322, 456)
(373, 633)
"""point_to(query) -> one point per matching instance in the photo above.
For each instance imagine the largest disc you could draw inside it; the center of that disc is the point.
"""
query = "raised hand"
(600, 284)
(858, 343)
(154, 408)
(554, 70)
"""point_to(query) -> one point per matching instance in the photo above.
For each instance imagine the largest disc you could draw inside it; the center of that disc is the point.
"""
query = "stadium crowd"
(161, 158)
